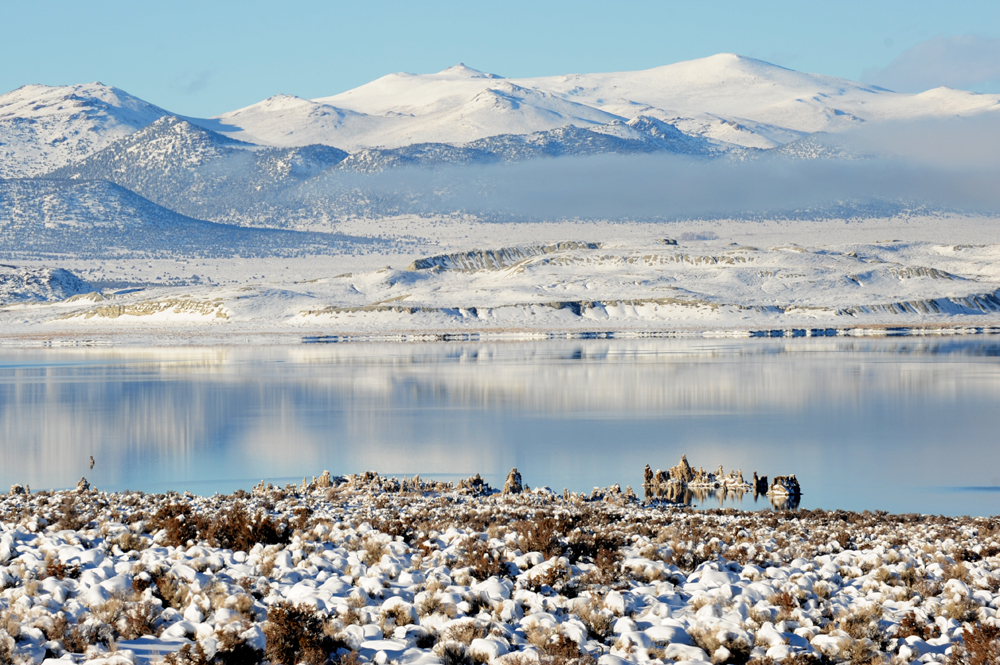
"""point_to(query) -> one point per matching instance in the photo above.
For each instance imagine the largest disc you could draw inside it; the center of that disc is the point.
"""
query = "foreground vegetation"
(373, 569)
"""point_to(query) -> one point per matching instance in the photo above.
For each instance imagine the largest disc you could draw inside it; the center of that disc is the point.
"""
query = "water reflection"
(723, 497)
(863, 423)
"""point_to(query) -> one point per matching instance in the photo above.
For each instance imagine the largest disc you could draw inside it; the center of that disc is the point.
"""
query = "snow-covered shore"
(526, 281)
(374, 569)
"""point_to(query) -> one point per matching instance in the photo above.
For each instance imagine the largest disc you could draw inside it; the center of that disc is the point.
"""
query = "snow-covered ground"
(381, 570)
(466, 276)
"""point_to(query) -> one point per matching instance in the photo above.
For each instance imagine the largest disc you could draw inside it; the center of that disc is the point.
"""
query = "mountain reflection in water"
(863, 423)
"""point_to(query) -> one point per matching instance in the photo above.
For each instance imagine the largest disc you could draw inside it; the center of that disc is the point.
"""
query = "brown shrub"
(911, 625)
(59, 570)
(981, 646)
(483, 561)
(539, 535)
(295, 634)
(138, 620)
(171, 591)
(69, 517)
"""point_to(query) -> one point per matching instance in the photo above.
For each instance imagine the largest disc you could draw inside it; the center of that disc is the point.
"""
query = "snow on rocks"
(368, 569)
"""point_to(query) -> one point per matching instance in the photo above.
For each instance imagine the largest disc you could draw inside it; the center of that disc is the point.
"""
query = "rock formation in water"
(786, 485)
(681, 483)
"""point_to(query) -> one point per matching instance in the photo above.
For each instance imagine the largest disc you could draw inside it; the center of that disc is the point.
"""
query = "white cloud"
(966, 62)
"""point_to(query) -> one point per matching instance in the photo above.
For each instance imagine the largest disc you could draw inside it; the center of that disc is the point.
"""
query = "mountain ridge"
(734, 101)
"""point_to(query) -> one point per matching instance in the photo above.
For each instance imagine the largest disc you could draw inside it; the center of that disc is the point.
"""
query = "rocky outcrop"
(786, 485)
(513, 484)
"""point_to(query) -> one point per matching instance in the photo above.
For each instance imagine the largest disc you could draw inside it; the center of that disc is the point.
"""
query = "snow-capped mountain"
(43, 127)
(727, 98)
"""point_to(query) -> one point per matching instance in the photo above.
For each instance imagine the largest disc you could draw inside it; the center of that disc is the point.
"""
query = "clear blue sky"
(203, 58)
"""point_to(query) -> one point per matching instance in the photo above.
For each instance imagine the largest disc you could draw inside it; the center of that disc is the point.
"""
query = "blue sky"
(204, 58)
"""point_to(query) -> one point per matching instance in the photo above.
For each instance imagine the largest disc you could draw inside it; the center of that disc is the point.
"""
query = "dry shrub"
(178, 521)
(236, 530)
(539, 535)
(233, 529)
(794, 659)
(600, 626)
(69, 517)
(911, 625)
(708, 639)
(296, 634)
(372, 550)
(348, 658)
(231, 649)
(864, 625)
(59, 570)
(956, 571)
(961, 608)
(7, 647)
(111, 610)
(129, 542)
(556, 576)
(139, 619)
(188, 655)
(79, 638)
(171, 591)
(483, 562)
(981, 646)
(786, 604)
(301, 520)
(452, 653)
(557, 649)
(863, 652)
(464, 632)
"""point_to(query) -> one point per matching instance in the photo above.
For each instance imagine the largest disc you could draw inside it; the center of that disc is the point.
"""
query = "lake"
(899, 424)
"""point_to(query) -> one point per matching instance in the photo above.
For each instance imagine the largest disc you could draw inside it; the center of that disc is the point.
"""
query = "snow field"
(410, 571)
(723, 277)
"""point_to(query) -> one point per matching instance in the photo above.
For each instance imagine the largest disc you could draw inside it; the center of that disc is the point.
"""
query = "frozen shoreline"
(419, 572)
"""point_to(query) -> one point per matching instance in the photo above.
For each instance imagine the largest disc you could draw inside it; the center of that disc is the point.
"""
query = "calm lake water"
(898, 424)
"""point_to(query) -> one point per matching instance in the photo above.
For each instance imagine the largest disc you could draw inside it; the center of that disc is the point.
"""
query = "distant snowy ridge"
(640, 135)
(43, 127)
(725, 98)
(726, 101)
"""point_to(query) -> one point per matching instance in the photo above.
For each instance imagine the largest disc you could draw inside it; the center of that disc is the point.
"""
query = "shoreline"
(164, 337)
(421, 572)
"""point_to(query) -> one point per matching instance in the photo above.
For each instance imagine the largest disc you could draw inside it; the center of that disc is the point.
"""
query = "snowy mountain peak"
(461, 70)
(40, 101)
(44, 127)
